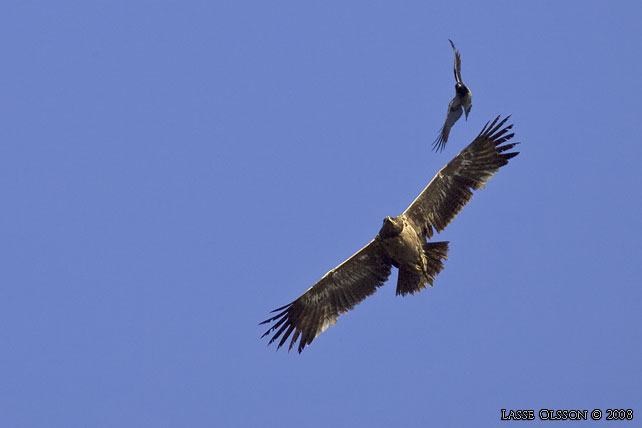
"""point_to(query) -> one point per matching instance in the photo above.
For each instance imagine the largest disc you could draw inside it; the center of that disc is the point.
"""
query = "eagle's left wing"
(451, 188)
(336, 293)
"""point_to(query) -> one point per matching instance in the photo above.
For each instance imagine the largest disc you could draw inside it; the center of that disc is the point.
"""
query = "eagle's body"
(406, 248)
(402, 242)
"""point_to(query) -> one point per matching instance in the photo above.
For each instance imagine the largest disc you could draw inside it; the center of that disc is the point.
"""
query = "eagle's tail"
(412, 280)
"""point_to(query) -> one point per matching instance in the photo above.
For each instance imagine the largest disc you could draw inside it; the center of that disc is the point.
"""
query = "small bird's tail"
(413, 280)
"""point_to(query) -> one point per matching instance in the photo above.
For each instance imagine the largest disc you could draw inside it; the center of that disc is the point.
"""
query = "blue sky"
(172, 171)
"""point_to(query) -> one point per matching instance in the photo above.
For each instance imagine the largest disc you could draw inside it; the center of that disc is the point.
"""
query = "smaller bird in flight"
(463, 100)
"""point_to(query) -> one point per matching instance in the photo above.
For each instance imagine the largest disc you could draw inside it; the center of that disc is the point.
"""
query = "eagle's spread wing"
(454, 113)
(457, 68)
(451, 188)
(336, 293)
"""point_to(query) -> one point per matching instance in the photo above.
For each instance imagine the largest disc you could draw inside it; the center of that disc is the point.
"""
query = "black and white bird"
(463, 101)
(402, 242)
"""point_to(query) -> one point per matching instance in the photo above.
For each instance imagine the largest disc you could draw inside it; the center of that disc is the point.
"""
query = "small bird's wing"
(457, 69)
(336, 293)
(451, 188)
(453, 115)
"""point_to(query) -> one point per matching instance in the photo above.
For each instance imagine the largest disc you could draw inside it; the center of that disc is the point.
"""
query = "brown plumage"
(401, 242)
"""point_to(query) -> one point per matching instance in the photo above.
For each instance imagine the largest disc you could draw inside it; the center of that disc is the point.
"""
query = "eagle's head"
(391, 227)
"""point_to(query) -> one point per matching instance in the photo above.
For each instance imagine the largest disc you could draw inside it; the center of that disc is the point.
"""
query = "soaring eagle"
(401, 242)
(463, 101)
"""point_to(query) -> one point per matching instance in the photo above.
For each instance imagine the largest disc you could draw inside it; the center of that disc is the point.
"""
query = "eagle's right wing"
(336, 293)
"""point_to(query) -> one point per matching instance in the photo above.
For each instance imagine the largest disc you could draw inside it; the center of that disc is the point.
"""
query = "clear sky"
(172, 171)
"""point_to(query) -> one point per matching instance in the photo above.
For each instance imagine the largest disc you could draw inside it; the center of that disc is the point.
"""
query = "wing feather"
(454, 113)
(457, 68)
(336, 293)
(451, 188)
